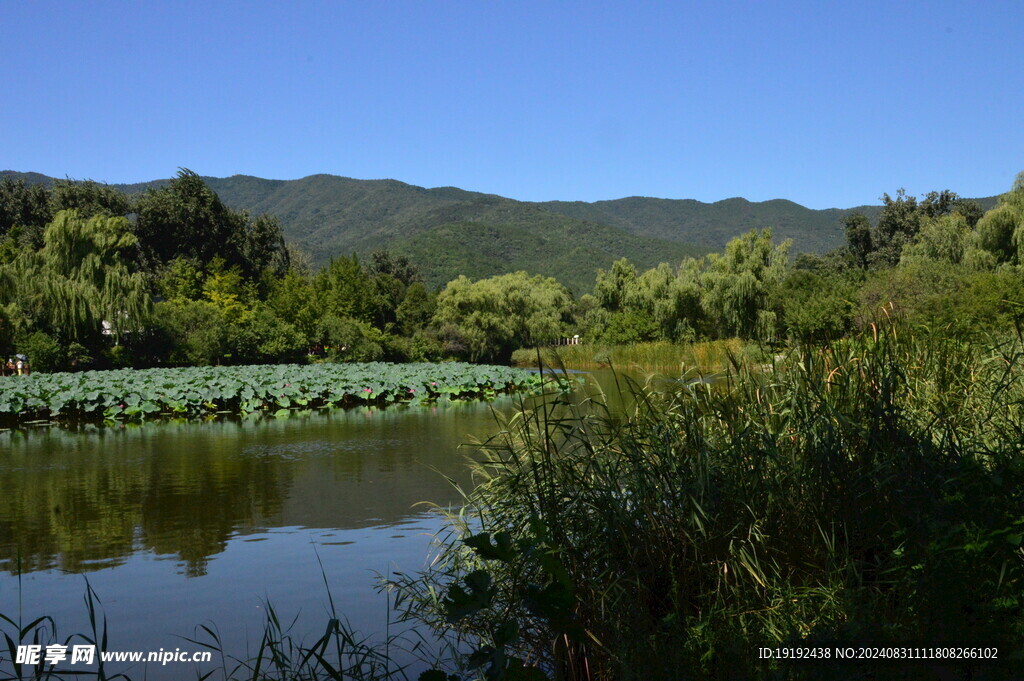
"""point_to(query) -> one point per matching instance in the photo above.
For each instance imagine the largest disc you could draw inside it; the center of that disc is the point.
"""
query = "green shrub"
(43, 351)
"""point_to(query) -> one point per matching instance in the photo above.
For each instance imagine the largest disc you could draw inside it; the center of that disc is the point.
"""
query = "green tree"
(816, 308)
(345, 289)
(858, 238)
(186, 219)
(1001, 231)
(898, 224)
(197, 332)
(943, 238)
(492, 317)
(80, 279)
(416, 309)
(612, 286)
(351, 340)
(737, 285)
(89, 198)
(292, 299)
(24, 212)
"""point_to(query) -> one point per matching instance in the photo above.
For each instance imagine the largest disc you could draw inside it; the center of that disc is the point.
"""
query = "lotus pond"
(195, 521)
(131, 394)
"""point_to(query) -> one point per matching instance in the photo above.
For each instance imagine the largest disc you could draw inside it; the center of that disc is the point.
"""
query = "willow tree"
(80, 278)
(492, 317)
(1001, 231)
(736, 285)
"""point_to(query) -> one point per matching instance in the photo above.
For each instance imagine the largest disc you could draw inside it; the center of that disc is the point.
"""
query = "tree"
(492, 317)
(858, 238)
(89, 198)
(398, 266)
(816, 308)
(416, 309)
(186, 219)
(24, 211)
(345, 289)
(737, 284)
(898, 223)
(260, 245)
(611, 287)
(1001, 231)
(80, 278)
(943, 238)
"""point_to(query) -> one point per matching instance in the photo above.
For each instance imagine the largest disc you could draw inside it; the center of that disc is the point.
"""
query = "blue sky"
(825, 103)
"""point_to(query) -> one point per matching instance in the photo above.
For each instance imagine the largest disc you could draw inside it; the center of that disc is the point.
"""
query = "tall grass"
(869, 491)
(705, 358)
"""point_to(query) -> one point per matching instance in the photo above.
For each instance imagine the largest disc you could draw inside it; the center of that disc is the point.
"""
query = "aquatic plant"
(151, 393)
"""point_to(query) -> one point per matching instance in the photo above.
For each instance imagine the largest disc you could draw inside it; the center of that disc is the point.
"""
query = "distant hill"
(712, 225)
(450, 231)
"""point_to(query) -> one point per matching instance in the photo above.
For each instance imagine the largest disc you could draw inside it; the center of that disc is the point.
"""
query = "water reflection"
(182, 524)
(89, 499)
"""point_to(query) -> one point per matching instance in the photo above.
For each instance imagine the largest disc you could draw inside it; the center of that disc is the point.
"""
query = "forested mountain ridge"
(451, 231)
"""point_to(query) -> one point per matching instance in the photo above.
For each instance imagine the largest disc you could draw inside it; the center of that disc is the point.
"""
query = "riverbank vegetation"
(92, 278)
(867, 492)
(680, 359)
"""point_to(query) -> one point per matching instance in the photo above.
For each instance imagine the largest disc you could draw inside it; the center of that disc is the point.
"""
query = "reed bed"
(670, 358)
(869, 492)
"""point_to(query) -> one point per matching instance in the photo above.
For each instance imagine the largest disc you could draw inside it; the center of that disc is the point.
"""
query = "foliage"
(23, 206)
(80, 278)
(858, 238)
(816, 308)
(45, 352)
(196, 332)
(89, 198)
(351, 340)
(720, 296)
(944, 239)
(692, 360)
(492, 317)
(941, 295)
(187, 219)
(867, 492)
(1001, 231)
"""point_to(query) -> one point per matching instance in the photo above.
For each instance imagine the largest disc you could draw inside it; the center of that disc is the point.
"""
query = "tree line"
(91, 277)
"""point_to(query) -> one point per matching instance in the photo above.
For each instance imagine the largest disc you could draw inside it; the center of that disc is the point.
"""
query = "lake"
(178, 524)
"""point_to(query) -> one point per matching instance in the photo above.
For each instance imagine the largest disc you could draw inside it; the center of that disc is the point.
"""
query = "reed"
(869, 491)
(704, 358)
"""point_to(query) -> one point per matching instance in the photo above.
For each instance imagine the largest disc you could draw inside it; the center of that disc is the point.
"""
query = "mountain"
(712, 225)
(450, 231)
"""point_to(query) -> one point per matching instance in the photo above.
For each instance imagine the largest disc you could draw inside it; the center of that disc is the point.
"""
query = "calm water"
(180, 524)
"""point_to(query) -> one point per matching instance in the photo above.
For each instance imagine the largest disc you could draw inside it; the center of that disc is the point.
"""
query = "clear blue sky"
(824, 103)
